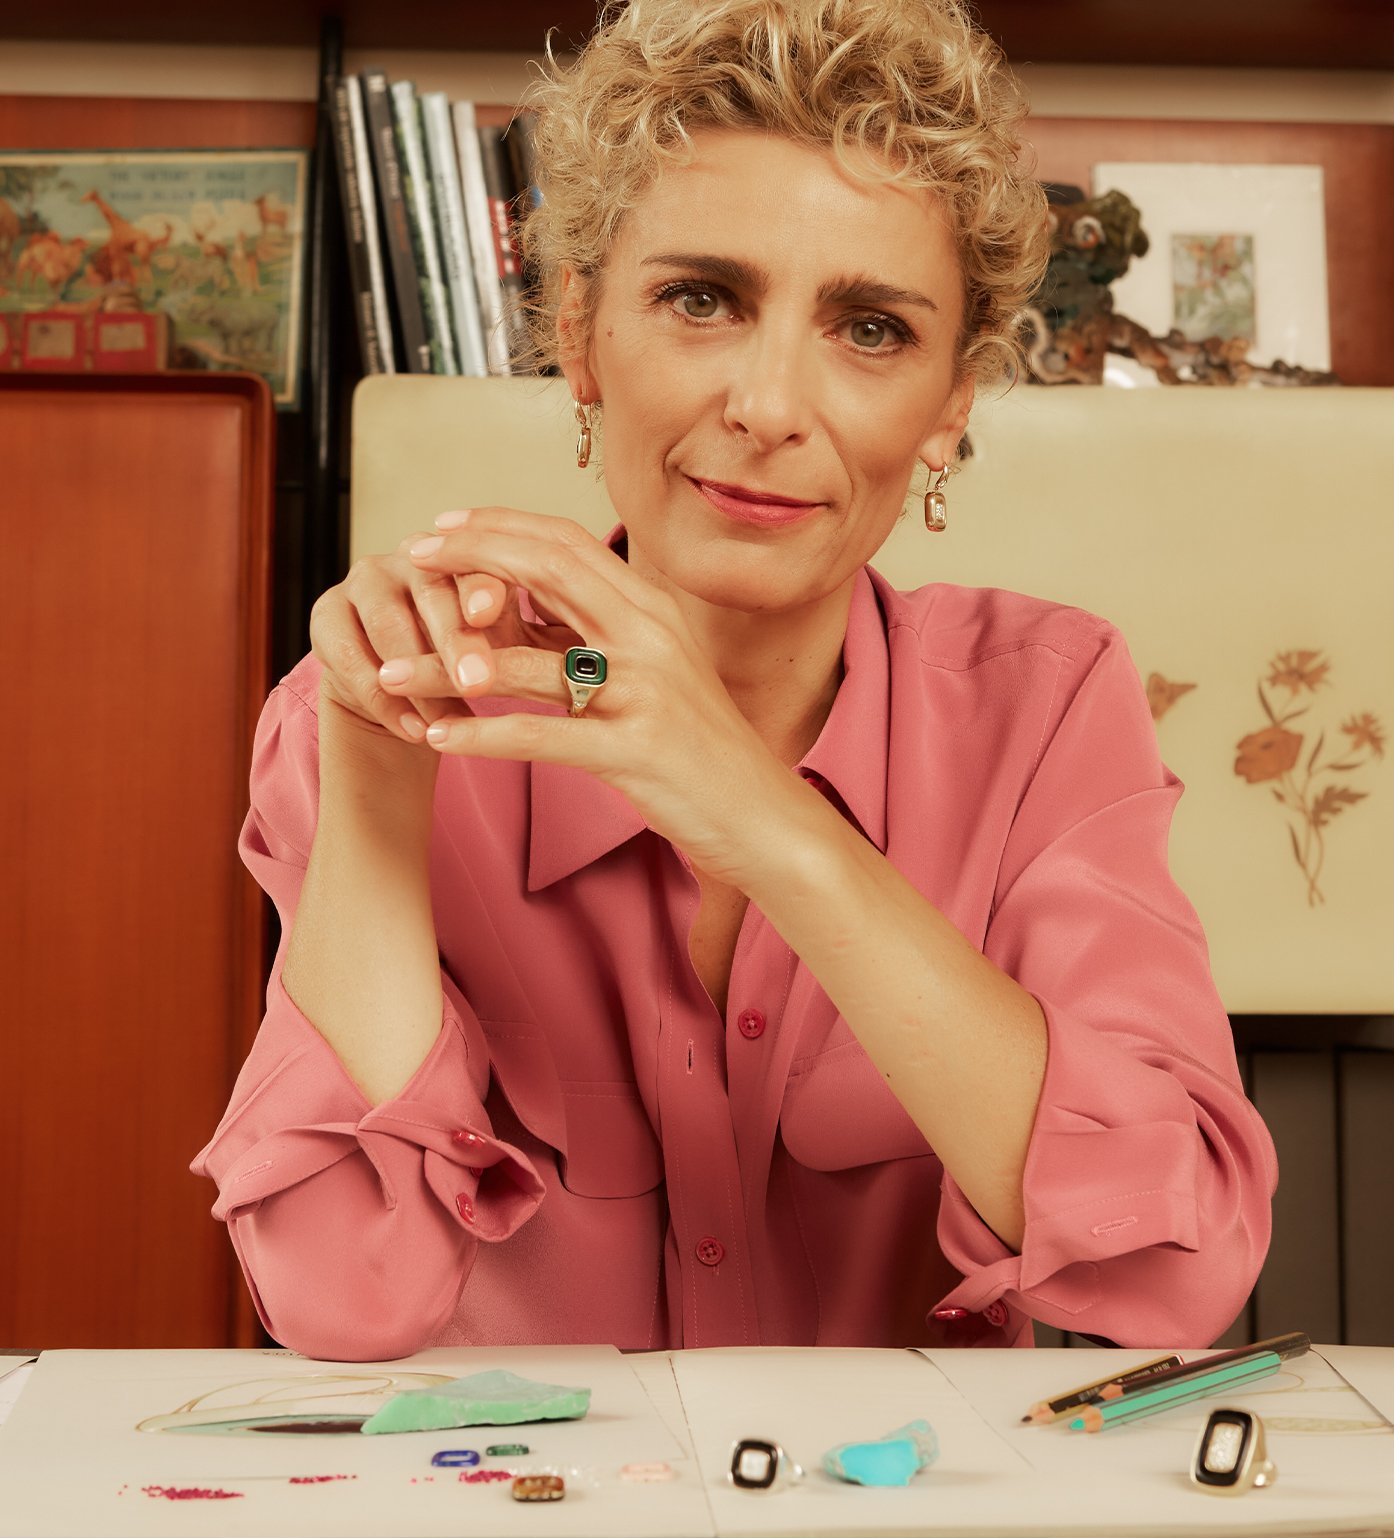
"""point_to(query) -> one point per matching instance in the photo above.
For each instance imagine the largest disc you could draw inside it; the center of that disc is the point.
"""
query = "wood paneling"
(153, 122)
(135, 516)
(1367, 1163)
(1300, 1289)
(1302, 34)
(1357, 162)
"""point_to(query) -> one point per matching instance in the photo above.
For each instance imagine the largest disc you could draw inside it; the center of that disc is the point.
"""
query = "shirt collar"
(851, 754)
(577, 819)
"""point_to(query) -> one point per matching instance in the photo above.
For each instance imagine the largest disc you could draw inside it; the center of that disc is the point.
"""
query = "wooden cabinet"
(136, 529)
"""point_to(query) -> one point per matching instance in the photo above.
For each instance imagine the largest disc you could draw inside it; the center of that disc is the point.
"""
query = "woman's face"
(774, 347)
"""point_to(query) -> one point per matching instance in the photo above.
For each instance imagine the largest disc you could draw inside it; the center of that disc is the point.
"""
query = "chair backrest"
(1242, 540)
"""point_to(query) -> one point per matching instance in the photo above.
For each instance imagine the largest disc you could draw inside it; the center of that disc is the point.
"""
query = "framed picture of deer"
(212, 239)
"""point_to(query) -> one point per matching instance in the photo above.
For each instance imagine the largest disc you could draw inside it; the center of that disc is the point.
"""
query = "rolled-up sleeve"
(356, 1225)
(1149, 1175)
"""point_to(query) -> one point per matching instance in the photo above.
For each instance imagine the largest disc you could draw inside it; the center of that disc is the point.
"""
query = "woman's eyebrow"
(865, 290)
(858, 289)
(722, 269)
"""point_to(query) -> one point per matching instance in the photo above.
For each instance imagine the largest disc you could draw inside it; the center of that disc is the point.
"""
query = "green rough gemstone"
(507, 1450)
(496, 1398)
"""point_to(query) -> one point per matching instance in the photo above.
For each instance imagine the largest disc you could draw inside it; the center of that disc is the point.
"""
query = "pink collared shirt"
(592, 1153)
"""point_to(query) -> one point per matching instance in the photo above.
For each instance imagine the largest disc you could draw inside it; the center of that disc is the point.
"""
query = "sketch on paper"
(319, 1403)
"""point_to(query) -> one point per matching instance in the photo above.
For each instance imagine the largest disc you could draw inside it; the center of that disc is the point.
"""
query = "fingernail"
(414, 726)
(438, 732)
(453, 520)
(427, 546)
(395, 672)
(472, 670)
(479, 601)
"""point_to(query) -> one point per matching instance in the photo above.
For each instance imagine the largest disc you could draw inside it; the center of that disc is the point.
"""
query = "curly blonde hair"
(915, 82)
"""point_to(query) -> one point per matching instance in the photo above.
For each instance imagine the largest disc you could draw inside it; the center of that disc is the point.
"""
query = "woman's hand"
(663, 730)
(390, 607)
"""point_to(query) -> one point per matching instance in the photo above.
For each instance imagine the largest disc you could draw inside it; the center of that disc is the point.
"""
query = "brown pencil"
(1047, 1410)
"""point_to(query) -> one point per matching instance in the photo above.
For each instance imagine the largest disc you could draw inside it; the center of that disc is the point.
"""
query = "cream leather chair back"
(1242, 540)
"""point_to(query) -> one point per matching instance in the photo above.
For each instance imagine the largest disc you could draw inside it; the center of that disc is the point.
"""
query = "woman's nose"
(769, 398)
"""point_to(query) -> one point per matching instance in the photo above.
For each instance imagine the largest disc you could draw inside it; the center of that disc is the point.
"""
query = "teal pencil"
(1198, 1386)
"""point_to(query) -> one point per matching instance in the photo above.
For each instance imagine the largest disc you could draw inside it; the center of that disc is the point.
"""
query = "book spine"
(523, 154)
(382, 137)
(351, 201)
(480, 227)
(372, 243)
(454, 234)
(416, 186)
(498, 178)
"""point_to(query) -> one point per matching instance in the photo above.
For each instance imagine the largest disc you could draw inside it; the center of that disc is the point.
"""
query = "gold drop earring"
(936, 504)
(583, 443)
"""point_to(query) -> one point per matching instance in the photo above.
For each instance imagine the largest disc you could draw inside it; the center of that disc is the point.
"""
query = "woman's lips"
(752, 506)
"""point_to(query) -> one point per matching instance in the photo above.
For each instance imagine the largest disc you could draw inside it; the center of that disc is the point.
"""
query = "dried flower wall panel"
(1242, 541)
(1313, 787)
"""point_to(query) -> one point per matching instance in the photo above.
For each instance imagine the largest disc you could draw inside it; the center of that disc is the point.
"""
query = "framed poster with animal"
(214, 240)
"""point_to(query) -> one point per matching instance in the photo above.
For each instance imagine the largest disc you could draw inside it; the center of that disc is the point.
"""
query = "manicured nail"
(395, 672)
(455, 520)
(427, 546)
(414, 727)
(479, 600)
(472, 670)
(437, 733)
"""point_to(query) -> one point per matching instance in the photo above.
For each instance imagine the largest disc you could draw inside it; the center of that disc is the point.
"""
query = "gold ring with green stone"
(585, 670)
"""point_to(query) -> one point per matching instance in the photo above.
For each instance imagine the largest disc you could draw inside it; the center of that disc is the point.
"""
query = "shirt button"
(751, 1023)
(463, 1139)
(711, 1252)
(995, 1314)
(465, 1207)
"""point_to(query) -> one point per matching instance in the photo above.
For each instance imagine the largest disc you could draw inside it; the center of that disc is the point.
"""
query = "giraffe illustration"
(127, 237)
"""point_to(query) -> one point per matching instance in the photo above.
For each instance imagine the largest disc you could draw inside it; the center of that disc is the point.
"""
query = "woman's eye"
(871, 334)
(699, 303)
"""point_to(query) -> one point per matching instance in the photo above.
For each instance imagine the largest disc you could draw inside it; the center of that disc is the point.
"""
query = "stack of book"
(433, 192)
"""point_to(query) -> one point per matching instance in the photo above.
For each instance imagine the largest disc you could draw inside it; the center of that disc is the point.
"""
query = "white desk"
(72, 1462)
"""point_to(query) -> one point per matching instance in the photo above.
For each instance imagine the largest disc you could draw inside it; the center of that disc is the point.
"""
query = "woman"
(816, 977)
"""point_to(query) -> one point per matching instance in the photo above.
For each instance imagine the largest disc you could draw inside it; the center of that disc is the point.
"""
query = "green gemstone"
(585, 665)
(494, 1398)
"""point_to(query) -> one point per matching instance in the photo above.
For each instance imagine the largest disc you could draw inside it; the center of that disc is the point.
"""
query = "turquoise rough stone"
(494, 1398)
(893, 1459)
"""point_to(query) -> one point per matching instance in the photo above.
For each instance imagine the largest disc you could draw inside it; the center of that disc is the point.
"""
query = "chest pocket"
(599, 1129)
(839, 1113)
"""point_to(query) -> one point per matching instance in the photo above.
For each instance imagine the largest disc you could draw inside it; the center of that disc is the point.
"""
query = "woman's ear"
(571, 349)
(940, 448)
